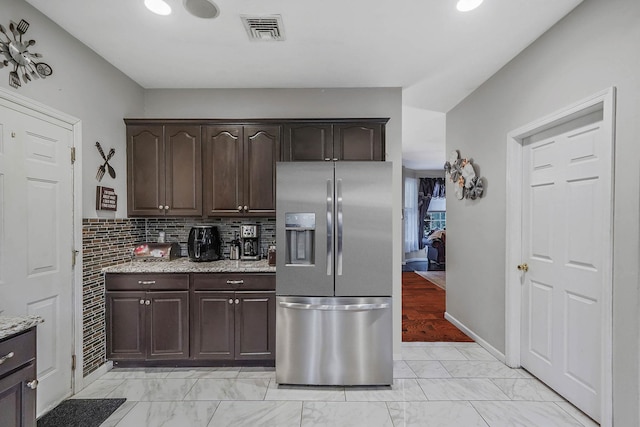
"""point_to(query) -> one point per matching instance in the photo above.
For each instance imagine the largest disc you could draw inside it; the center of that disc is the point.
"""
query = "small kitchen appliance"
(249, 242)
(204, 243)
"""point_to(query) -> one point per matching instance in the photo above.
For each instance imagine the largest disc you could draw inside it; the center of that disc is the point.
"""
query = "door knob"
(523, 267)
(33, 384)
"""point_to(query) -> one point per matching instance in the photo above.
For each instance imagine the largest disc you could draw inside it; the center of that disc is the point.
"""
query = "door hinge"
(74, 256)
(73, 155)
(73, 362)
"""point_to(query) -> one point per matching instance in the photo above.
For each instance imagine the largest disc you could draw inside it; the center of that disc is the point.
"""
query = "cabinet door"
(183, 159)
(223, 170)
(126, 329)
(168, 325)
(255, 325)
(261, 152)
(308, 142)
(145, 170)
(17, 400)
(358, 141)
(212, 325)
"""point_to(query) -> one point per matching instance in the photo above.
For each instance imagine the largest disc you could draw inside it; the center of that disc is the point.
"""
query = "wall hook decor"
(16, 53)
(105, 166)
(462, 173)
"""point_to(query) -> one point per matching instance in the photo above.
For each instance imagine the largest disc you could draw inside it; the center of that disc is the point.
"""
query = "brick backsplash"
(107, 242)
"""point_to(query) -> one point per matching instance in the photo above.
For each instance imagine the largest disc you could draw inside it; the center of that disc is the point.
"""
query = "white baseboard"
(94, 376)
(491, 349)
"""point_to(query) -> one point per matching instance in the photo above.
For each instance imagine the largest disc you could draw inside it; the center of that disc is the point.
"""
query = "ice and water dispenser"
(300, 232)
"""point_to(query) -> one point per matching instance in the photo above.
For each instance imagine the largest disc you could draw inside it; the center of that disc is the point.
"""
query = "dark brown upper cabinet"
(239, 169)
(352, 141)
(164, 170)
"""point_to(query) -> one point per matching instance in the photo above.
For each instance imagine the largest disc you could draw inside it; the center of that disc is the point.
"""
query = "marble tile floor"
(436, 384)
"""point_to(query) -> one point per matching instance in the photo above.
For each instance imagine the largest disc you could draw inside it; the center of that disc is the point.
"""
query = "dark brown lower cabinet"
(233, 325)
(147, 325)
(18, 380)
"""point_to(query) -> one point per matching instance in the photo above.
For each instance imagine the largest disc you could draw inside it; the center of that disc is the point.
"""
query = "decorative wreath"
(461, 172)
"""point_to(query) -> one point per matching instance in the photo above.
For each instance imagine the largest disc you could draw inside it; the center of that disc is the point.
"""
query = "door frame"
(605, 101)
(44, 112)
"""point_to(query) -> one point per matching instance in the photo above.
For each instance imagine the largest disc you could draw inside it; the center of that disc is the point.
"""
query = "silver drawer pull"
(235, 282)
(147, 302)
(142, 301)
(5, 357)
(230, 301)
(237, 301)
(146, 282)
(33, 384)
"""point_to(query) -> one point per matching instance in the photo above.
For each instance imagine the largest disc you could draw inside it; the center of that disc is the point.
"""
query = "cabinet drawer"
(144, 281)
(17, 351)
(234, 281)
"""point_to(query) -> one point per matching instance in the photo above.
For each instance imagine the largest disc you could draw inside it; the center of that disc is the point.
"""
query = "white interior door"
(565, 221)
(36, 240)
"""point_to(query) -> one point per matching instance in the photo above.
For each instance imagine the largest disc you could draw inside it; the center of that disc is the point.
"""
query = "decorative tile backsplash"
(107, 242)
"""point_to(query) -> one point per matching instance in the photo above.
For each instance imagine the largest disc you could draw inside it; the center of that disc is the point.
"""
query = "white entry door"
(565, 220)
(36, 240)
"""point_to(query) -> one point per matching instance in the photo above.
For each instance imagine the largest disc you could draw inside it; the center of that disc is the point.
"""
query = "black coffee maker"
(204, 243)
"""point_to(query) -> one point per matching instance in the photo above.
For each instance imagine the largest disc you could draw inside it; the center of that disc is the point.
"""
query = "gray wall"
(82, 85)
(303, 103)
(595, 47)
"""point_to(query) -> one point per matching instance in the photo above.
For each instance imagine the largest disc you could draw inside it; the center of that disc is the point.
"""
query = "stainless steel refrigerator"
(334, 273)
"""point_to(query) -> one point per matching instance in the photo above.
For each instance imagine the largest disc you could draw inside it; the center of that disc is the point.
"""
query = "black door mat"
(80, 413)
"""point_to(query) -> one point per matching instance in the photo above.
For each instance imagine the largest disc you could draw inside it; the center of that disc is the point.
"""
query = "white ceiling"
(435, 53)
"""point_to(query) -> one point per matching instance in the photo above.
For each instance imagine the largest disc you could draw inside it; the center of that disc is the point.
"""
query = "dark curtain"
(428, 188)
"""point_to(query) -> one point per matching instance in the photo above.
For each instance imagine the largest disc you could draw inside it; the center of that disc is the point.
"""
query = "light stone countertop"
(184, 265)
(12, 325)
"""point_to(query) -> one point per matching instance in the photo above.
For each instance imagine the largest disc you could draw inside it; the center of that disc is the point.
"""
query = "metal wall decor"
(16, 53)
(461, 172)
(105, 166)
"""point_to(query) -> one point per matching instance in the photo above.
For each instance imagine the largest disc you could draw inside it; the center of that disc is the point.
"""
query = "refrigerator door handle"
(329, 226)
(332, 307)
(339, 215)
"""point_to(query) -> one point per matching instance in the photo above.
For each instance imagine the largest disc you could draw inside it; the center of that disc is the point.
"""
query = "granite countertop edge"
(13, 325)
(184, 265)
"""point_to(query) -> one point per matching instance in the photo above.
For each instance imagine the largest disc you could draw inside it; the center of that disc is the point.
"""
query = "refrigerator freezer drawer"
(334, 341)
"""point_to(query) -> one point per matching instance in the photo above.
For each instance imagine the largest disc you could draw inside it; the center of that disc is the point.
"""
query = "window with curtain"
(410, 214)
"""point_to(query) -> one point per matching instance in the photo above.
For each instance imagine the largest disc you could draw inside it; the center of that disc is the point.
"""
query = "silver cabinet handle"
(33, 384)
(329, 226)
(237, 301)
(6, 357)
(339, 215)
(235, 282)
(160, 207)
(230, 301)
(327, 159)
(239, 208)
(146, 282)
(147, 302)
(331, 307)
(246, 208)
(335, 159)
(141, 302)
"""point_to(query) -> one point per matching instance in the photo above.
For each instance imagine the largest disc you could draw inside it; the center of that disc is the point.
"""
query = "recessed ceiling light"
(467, 5)
(159, 7)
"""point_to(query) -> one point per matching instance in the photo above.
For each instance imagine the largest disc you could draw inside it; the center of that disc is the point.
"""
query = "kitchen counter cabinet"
(224, 318)
(347, 141)
(18, 379)
(239, 169)
(231, 322)
(145, 322)
(164, 170)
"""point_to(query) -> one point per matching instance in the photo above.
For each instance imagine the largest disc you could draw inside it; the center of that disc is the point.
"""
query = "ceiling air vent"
(265, 28)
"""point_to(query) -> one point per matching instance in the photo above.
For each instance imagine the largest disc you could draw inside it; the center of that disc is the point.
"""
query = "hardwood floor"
(423, 306)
